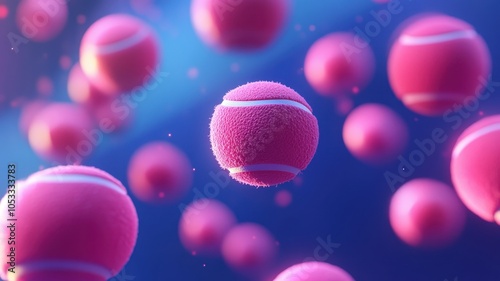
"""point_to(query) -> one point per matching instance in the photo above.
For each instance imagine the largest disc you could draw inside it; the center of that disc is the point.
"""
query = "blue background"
(340, 197)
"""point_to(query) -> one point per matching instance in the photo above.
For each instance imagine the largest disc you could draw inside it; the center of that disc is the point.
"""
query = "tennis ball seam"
(409, 40)
(415, 98)
(75, 179)
(230, 103)
(123, 44)
(461, 145)
(265, 168)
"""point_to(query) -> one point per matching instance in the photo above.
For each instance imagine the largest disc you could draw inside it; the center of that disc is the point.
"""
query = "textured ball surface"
(427, 213)
(335, 66)
(61, 139)
(475, 166)
(41, 21)
(375, 134)
(264, 133)
(159, 172)
(119, 53)
(203, 225)
(314, 271)
(73, 210)
(249, 246)
(437, 62)
(238, 24)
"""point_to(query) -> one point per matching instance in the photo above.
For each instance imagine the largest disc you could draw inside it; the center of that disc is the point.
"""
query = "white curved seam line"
(424, 97)
(433, 39)
(123, 44)
(264, 168)
(65, 265)
(460, 146)
(231, 103)
(72, 178)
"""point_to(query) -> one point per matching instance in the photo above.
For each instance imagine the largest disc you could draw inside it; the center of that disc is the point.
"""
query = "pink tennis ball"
(74, 212)
(29, 112)
(203, 225)
(437, 62)
(239, 24)
(119, 53)
(41, 20)
(81, 90)
(339, 63)
(249, 246)
(264, 133)
(112, 116)
(159, 172)
(104, 108)
(61, 130)
(475, 166)
(314, 271)
(375, 134)
(427, 213)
